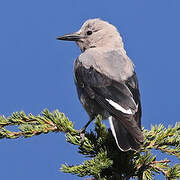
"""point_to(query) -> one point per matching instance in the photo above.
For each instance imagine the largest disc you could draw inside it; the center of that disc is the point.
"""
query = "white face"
(89, 32)
(96, 33)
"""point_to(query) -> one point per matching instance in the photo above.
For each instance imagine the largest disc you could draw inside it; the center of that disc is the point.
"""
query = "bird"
(106, 81)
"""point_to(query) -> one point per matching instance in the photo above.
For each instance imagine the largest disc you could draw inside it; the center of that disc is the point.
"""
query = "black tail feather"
(127, 136)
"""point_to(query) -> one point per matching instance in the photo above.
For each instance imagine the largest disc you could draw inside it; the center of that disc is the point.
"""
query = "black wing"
(120, 99)
(103, 88)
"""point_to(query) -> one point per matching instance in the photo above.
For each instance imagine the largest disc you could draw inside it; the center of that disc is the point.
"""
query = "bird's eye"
(89, 33)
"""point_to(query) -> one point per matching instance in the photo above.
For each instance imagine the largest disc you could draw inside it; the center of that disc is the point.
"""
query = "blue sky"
(36, 71)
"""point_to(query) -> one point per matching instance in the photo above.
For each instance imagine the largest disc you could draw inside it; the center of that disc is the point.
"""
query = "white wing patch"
(118, 107)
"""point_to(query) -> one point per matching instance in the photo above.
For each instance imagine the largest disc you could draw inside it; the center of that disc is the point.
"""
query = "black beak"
(70, 37)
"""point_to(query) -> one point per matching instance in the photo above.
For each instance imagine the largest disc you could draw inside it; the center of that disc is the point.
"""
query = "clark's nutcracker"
(106, 81)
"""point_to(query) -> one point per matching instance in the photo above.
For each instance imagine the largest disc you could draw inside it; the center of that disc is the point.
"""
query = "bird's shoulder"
(89, 76)
(108, 91)
(112, 63)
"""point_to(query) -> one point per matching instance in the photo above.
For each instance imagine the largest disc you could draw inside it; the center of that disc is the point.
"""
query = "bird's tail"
(127, 134)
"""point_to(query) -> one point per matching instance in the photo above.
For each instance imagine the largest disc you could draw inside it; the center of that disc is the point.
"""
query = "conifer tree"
(105, 161)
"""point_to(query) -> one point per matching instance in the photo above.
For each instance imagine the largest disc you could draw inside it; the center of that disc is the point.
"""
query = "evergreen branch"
(30, 125)
(90, 167)
(173, 173)
(107, 161)
(142, 165)
(165, 140)
(158, 166)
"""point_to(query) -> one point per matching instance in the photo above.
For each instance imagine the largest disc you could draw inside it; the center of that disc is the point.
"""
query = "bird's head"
(95, 33)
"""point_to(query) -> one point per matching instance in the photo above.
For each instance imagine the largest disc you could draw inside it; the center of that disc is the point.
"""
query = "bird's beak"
(70, 37)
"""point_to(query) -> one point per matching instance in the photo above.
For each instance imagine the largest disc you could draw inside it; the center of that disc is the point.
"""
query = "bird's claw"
(81, 133)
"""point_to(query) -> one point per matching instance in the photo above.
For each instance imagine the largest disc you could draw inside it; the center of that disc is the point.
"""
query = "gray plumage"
(106, 81)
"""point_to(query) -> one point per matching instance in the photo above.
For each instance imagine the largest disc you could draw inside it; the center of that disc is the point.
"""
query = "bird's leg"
(82, 130)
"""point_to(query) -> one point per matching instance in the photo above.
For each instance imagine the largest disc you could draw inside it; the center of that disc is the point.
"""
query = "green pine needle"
(106, 161)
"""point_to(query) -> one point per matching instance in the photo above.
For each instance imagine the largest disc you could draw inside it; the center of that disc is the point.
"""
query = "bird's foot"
(81, 132)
